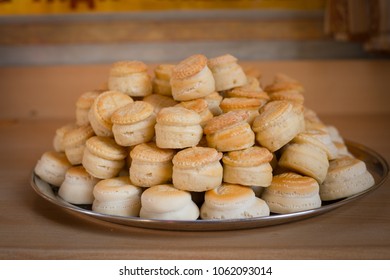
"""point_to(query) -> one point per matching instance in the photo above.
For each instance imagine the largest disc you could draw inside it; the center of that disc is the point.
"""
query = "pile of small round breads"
(200, 139)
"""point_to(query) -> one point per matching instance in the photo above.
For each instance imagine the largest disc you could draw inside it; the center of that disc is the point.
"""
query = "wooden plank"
(167, 30)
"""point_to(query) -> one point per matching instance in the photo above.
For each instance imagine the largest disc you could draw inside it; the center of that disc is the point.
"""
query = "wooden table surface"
(352, 95)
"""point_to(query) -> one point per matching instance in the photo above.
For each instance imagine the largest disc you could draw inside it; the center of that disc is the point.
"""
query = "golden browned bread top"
(347, 165)
(252, 156)
(248, 93)
(197, 105)
(293, 184)
(271, 112)
(86, 99)
(123, 68)
(164, 71)
(78, 135)
(235, 103)
(196, 156)
(229, 196)
(178, 116)
(116, 189)
(289, 95)
(106, 103)
(58, 157)
(151, 153)
(223, 59)
(189, 67)
(283, 82)
(225, 120)
(106, 148)
(132, 113)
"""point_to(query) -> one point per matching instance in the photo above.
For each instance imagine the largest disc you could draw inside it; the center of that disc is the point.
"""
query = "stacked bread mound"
(199, 139)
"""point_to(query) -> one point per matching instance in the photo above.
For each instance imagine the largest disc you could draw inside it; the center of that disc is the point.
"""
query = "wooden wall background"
(51, 32)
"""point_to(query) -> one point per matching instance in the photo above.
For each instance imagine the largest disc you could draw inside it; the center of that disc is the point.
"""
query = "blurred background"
(53, 32)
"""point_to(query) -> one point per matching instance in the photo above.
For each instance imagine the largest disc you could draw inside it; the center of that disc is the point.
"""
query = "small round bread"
(133, 123)
(213, 100)
(248, 167)
(117, 196)
(74, 143)
(227, 72)
(245, 92)
(103, 158)
(165, 202)
(192, 79)
(346, 176)
(58, 140)
(102, 109)
(150, 165)
(291, 95)
(283, 82)
(52, 166)
(230, 201)
(305, 158)
(319, 138)
(159, 101)
(250, 105)
(200, 106)
(131, 78)
(77, 188)
(162, 77)
(177, 128)
(229, 132)
(83, 104)
(277, 124)
(290, 193)
(197, 169)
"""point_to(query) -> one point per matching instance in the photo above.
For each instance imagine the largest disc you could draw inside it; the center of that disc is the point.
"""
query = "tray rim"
(216, 225)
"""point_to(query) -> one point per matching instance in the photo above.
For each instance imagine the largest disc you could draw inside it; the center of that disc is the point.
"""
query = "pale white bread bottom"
(305, 159)
(283, 130)
(193, 87)
(198, 179)
(177, 137)
(133, 134)
(290, 204)
(101, 168)
(136, 84)
(256, 208)
(148, 174)
(78, 189)
(189, 212)
(228, 76)
(260, 175)
(128, 207)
